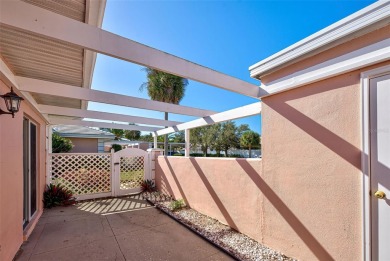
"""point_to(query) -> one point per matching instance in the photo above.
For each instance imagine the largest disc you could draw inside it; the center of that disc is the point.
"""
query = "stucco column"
(153, 154)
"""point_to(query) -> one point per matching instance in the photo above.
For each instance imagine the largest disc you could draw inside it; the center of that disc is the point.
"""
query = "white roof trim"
(366, 56)
(367, 16)
(94, 14)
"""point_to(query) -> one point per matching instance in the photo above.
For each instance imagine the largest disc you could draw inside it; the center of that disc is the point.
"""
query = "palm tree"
(164, 87)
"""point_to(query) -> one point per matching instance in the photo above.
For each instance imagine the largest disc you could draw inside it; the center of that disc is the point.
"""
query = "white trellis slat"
(87, 175)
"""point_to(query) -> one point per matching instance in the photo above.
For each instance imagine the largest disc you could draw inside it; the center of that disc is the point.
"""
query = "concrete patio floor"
(126, 228)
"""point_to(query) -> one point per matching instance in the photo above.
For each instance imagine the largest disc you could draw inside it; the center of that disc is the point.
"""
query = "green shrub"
(61, 144)
(57, 195)
(196, 155)
(235, 156)
(177, 204)
(178, 154)
(116, 147)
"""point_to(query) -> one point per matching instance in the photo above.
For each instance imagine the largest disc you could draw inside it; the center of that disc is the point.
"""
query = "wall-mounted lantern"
(12, 101)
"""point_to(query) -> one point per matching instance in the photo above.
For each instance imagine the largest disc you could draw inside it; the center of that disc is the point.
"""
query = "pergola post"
(187, 141)
(49, 134)
(155, 141)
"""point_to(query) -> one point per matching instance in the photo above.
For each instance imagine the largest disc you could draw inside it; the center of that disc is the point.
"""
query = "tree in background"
(164, 87)
(250, 139)
(230, 135)
(149, 138)
(60, 144)
(177, 137)
(132, 134)
(204, 137)
(118, 133)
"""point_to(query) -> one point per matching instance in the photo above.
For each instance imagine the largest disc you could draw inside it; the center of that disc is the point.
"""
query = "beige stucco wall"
(11, 175)
(84, 145)
(225, 189)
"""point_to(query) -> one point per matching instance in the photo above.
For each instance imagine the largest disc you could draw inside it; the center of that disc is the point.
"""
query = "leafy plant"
(116, 147)
(57, 195)
(61, 144)
(148, 185)
(177, 204)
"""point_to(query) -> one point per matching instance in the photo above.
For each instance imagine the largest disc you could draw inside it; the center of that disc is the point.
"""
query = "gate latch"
(116, 163)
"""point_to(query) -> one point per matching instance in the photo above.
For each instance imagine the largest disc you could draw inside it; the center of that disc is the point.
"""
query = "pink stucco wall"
(11, 175)
(304, 197)
(311, 142)
(225, 189)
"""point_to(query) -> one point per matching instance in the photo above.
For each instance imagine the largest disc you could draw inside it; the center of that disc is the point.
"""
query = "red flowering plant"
(57, 195)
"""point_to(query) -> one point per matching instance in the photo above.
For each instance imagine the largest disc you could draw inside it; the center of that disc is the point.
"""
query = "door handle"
(380, 194)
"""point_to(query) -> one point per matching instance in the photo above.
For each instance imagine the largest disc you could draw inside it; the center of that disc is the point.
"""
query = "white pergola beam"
(43, 22)
(63, 90)
(103, 116)
(57, 121)
(241, 112)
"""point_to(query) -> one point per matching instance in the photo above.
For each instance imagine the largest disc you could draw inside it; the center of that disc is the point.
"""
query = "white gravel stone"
(240, 245)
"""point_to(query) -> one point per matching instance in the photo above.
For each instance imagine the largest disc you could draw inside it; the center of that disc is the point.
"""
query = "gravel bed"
(239, 245)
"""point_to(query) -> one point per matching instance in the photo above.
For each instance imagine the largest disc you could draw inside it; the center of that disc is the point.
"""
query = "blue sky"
(228, 36)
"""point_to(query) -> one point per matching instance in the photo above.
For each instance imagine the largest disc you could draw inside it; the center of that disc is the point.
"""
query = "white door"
(131, 168)
(380, 166)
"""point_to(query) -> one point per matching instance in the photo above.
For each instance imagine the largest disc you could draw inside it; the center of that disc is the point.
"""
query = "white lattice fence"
(82, 173)
(131, 172)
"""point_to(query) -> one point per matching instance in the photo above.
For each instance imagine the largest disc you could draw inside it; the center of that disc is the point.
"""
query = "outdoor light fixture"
(12, 101)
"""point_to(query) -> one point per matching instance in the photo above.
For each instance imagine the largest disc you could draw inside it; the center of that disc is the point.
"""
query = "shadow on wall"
(332, 141)
(310, 241)
(167, 185)
(213, 194)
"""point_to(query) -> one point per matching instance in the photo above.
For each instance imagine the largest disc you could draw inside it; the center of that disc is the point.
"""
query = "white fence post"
(112, 174)
(153, 154)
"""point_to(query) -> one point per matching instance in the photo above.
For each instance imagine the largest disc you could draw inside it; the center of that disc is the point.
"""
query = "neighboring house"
(84, 139)
(125, 143)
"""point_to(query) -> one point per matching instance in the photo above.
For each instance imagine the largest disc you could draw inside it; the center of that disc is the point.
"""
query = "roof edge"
(360, 20)
(93, 16)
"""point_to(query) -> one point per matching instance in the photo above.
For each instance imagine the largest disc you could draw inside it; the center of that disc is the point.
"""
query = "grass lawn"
(132, 175)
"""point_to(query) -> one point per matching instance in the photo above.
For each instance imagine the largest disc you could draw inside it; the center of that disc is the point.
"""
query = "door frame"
(365, 155)
(30, 215)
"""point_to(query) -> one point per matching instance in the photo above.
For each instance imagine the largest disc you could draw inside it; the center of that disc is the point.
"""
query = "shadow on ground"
(125, 228)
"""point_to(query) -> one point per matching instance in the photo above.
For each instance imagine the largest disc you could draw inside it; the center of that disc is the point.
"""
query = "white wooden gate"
(130, 169)
(96, 175)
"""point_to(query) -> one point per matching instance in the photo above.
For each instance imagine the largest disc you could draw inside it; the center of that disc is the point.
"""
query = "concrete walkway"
(125, 228)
